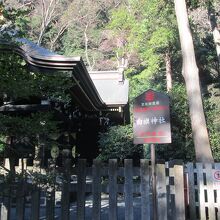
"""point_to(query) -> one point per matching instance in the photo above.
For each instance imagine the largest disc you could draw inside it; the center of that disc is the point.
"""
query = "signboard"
(151, 118)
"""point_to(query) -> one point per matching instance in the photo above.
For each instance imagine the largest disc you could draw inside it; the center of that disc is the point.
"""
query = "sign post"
(152, 126)
(153, 170)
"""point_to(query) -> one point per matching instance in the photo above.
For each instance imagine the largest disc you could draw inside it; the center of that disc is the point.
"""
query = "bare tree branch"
(48, 14)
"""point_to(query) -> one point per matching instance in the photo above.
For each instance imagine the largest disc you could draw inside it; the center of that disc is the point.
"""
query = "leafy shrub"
(117, 143)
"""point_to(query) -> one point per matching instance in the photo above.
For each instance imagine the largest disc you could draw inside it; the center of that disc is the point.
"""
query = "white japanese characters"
(151, 121)
(143, 104)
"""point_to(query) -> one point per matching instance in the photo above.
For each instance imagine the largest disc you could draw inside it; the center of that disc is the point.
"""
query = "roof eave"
(89, 96)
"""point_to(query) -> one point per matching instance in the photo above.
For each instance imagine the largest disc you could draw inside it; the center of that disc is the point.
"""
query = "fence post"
(191, 184)
(128, 189)
(154, 184)
(81, 188)
(217, 168)
(179, 192)
(96, 190)
(161, 192)
(50, 198)
(35, 202)
(113, 189)
(6, 203)
(50, 194)
(201, 190)
(210, 191)
(65, 198)
(20, 200)
(145, 190)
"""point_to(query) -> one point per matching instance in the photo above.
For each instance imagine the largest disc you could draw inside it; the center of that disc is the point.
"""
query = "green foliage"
(121, 19)
(193, 3)
(146, 29)
(150, 36)
(15, 22)
(182, 143)
(212, 111)
(117, 142)
(27, 126)
(145, 80)
(15, 74)
(45, 181)
(25, 131)
(182, 146)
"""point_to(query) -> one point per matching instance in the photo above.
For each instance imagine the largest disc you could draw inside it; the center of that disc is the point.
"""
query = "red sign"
(151, 118)
(149, 96)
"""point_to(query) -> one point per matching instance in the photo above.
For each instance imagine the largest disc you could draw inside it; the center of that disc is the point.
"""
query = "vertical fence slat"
(5, 207)
(191, 190)
(217, 168)
(50, 194)
(161, 192)
(20, 201)
(35, 203)
(81, 188)
(169, 198)
(65, 197)
(201, 191)
(50, 197)
(128, 189)
(179, 192)
(210, 191)
(113, 189)
(128, 192)
(145, 190)
(96, 190)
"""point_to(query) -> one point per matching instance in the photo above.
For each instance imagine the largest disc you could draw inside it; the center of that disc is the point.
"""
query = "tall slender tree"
(191, 75)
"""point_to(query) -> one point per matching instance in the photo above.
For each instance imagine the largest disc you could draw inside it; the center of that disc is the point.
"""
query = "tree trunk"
(90, 66)
(40, 38)
(191, 76)
(48, 11)
(168, 70)
(214, 27)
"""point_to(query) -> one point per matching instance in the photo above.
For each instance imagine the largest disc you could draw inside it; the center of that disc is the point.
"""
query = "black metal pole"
(153, 169)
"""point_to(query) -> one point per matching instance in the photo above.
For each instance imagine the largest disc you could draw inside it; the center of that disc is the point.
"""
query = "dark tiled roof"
(112, 87)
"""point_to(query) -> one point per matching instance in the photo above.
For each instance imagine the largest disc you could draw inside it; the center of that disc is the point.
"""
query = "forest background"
(140, 36)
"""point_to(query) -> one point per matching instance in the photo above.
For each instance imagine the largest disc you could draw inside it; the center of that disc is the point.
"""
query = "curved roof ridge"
(41, 59)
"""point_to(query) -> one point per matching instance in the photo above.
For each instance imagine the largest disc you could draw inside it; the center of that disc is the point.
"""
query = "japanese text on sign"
(152, 118)
(153, 121)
